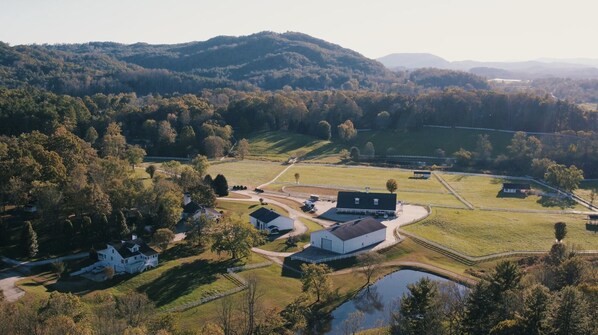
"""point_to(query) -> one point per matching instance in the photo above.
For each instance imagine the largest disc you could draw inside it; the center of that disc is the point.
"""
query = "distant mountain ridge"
(534, 69)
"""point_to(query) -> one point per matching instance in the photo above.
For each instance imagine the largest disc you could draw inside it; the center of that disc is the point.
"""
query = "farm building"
(513, 188)
(265, 218)
(349, 236)
(194, 211)
(422, 174)
(366, 203)
(132, 256)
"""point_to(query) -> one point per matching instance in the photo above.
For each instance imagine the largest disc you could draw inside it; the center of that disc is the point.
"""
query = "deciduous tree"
(315, 280)
(392, 185)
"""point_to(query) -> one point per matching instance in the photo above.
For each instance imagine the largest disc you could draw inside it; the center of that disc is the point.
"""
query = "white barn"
(132, 256)
(265, 218)
(349, 236)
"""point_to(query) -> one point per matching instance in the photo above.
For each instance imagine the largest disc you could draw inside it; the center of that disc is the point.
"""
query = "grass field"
(478, 233)
(423, 142)
(281, 246)
(484, 192)
(278, 291)
(246, 172)
(585, 189)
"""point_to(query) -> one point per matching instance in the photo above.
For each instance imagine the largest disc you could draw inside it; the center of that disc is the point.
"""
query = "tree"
(251, 304)
(168, 208)
(151, 170)
(353, 323)
(560, 231)
(570, 316)
(113, 142)
(565, 178)
(68, 232)
(121, 227)
(370, 263)
(214, 146)
(135, 155)
(200, 164)
(483, 148)
(166, 134)
(463, 157)
(420, 311)
(163, 237)
(134, 307)
(29, 244)
(220, 186)
(346, 131)
(355, 154)
(382, 120)
(235, 236)
(203, 194)
(86, 228)
(368, 150)
(297, 176)
(392, 185)
(323, 130)
(533, 317)
(243, 148)
(58, 268)
(315, 280)
(91, 135)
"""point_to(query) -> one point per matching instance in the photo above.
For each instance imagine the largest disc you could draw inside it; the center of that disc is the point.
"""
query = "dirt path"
(8, 279)
(277, 176)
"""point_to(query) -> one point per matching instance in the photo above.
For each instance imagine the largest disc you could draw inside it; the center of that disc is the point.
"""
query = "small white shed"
(349, 236)
(264, 218)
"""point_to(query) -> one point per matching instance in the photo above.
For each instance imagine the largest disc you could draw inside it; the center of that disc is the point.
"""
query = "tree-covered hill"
(266, 60)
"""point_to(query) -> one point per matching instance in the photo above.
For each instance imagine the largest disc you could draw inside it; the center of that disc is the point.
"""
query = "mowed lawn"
(423, 142)
(484, 192)
(357, 178)
(246, 172)
(478, 233)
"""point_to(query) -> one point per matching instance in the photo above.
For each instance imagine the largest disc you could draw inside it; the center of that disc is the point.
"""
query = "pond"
(378, 300)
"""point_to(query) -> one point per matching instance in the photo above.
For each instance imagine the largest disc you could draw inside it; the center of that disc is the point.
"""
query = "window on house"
(375, 202)
(357, 201)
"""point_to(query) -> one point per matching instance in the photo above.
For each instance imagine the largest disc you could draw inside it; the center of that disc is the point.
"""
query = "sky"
(484, 30)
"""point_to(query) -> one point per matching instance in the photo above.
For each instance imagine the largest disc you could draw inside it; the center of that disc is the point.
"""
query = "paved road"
(8, 279)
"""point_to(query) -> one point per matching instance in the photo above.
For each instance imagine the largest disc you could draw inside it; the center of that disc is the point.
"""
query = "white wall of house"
(282, 222)
(343, 247)
(139, 263)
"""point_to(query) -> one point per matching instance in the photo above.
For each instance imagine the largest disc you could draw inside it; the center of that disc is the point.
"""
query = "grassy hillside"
(280, 146)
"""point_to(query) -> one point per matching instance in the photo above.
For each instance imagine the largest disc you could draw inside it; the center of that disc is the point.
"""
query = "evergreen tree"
(208, 181)
(221, 186)
(86, 228)
(29, 244)
(101, 228)
(570, 314)
(535, 311)
(68, 232)
(3, 232)
(420, 311)
(122, 230)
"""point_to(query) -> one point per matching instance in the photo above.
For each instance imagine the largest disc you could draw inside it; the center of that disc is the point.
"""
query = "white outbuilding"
(349, 236)
(267, 219)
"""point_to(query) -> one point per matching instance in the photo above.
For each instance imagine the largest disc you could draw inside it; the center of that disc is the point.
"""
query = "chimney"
(186, 198)
(133, 237)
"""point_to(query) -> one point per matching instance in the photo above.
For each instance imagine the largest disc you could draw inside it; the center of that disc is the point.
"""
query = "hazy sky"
(453, 29)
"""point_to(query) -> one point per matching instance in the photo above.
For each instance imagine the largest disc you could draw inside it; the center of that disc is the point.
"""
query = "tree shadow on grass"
(183, 279)
(181, 250)
(562, 203)
(502, 194)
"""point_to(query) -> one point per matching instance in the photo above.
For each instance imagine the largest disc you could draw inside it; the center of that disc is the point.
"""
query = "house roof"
(123, 248)
(352, 229)
(265, 215)
(593, 216)
(191, 208)
(516, 186)
(386, 201)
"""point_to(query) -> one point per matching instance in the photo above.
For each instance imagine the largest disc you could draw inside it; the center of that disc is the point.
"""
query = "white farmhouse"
(265, 218)
(132, 256)
(349, 236)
